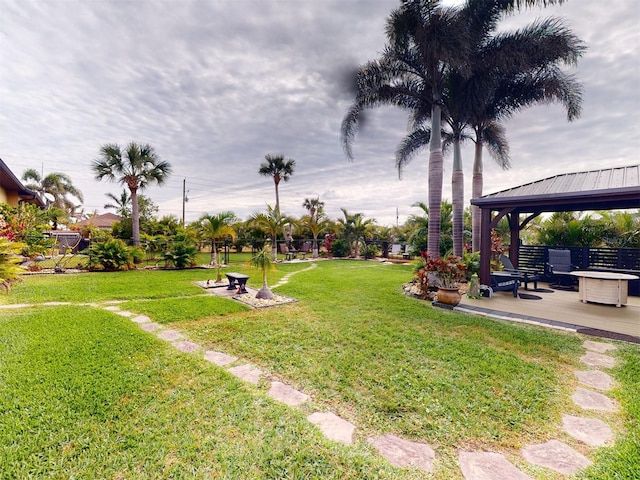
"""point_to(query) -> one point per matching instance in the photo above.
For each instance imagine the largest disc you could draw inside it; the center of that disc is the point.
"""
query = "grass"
(388, 363)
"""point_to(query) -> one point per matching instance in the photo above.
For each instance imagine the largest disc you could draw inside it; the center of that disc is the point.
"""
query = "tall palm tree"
(137, 166)
(504, 73)
(216, 227)
(272, 222)
(315, 221)
(425, 39)
(57, 185)
(120, 204)
(280, 169)
(313, 205)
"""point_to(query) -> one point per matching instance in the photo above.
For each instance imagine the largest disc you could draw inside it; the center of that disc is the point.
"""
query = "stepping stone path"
(554, 454)
(333, 427)
(403, 453)
(488, 466)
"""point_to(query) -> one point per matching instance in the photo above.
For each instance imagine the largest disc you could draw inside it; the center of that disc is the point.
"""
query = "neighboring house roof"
(604, 189)
(104, 221)
(10, 183)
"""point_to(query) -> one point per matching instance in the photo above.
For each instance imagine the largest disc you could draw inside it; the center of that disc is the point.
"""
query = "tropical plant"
(25, 224)
(54, 188)
(316, 221)
(9, 262)
(279, 168)
(338, 248)
(217, 227)
(272, 223)
(418, 227)
(370, 251)
(136, 167)
(181, 254)
(121, 204)
(355, 227)
(111, 255)
(447, 272)
(262, 260)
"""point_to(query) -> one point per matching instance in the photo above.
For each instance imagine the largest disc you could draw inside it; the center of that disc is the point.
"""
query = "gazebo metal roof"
(605, 189)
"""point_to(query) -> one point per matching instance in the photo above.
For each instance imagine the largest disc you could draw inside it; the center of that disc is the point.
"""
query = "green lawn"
(354, 342)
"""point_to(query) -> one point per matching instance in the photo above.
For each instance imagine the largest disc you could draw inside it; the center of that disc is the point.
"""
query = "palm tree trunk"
(214, 253)
(476, 192)
(274, 248)
(435, 183)
(135, 216)
(275, 181)
(457, 194)
(314, 249)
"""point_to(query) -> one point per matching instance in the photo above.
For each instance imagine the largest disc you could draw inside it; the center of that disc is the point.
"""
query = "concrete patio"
(561, 308)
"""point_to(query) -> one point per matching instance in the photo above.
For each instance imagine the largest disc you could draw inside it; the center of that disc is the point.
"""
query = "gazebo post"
(485, 246)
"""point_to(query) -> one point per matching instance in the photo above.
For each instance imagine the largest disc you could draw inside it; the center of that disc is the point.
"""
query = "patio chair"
(522, 275)
(305, 249)
(504, 282)
(284, 250)
(558, 269)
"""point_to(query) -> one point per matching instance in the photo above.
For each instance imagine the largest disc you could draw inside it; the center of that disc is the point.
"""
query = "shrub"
(181, 254)
(110, 255)
(9, 259)
(339, 248)
(370, 251)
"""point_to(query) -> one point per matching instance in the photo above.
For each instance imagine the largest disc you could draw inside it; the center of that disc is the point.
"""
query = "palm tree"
(272, 222)
(280, 169)
(55, 185)
(316, 221)
(425, 39)
(355, 228)
(262, 260)
(136, 167)
(216, 227)
(120, 204)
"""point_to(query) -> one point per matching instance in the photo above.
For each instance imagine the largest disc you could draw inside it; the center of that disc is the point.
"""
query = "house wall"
(9, 197)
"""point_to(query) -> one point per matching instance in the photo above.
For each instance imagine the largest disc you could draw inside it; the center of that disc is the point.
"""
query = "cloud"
(214, 85)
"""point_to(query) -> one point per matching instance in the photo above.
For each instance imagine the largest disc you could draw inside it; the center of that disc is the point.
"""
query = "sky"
(215, 85)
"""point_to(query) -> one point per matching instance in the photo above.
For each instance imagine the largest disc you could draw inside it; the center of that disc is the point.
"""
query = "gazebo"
(604, 189)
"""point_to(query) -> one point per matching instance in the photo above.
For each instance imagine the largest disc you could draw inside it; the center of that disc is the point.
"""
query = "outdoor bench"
(237, 280)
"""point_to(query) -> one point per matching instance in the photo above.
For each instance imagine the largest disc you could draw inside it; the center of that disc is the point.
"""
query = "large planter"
(449, 296)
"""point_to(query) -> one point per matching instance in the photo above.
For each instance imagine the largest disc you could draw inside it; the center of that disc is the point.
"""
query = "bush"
(181, 255)
(110, 255)
(339, 248)
(9, 259)
(370, 251)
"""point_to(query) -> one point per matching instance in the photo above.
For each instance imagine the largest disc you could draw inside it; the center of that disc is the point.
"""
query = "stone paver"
(112, 308)
(286, 394)
(333, 427)
(488, 466)
(186, 346)
(141, 319)
(248, 373)
(170, 335)
(124, 313)
(594, 359)
(556, 456)
(150, 327)
(600, 347)
(403, 453)
(595, 379)
(591, 431)
(219, 358)
(591, 400)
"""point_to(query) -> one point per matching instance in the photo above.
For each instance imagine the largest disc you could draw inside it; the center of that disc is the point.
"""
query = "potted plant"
(262, 260)
(443, 273)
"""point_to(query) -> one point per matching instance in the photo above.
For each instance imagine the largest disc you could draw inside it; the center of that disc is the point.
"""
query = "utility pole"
(397, 218)
(184, 198)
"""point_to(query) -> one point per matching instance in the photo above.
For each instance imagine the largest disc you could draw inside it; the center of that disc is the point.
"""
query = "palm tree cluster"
(459, 79)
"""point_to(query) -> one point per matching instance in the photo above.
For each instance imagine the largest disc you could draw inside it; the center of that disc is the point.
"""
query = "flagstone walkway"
(554, 454)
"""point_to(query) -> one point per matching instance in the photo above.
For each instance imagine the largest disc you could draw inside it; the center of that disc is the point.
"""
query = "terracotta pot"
(449, 296)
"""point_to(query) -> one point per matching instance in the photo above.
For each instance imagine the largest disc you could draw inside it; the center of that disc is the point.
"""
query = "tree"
(355, 228)
(216, 227)
(262, 260)
(280, 169)
(122, 204)
(424, 41)
(136, 167)
(55, 185)
(272, 222)
(315, 221)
